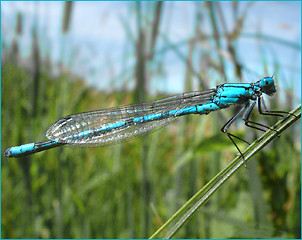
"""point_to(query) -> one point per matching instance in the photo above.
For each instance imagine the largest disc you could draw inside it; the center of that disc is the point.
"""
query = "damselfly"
(114, 125)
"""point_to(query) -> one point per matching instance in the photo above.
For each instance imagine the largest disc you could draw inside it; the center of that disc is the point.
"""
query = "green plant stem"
(203, 195)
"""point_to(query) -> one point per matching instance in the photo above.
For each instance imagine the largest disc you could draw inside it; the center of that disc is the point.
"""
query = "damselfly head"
(267, 85)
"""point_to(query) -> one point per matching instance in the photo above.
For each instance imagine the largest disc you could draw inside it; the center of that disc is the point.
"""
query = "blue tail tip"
(7, 153)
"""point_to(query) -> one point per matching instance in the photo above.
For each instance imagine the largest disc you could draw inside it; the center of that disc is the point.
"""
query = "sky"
(99, 48)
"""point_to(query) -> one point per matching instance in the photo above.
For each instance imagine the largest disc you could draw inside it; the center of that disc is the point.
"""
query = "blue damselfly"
(109, 126)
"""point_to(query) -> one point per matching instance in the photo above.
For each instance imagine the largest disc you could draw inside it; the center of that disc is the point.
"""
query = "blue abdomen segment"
(183, 111)
(30, 148)
(207, 108)
(153, 117)
(109, 127)
(20, 149)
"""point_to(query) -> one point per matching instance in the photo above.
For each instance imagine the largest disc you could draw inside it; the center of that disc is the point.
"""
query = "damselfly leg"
(226, 126)
(246, 110)
(252, 124)
(265, 111)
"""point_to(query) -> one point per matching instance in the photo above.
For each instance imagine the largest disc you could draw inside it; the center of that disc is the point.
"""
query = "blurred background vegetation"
(130, 190)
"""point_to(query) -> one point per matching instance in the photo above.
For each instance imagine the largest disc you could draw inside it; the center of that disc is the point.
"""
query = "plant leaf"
(202, 196)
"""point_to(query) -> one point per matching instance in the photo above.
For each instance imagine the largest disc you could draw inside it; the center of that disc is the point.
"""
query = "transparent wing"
(69, 129)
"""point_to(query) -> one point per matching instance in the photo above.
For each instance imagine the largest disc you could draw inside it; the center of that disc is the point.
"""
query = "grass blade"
(202, 196)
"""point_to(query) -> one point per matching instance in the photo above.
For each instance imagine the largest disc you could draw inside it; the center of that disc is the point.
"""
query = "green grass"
(84, 193)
